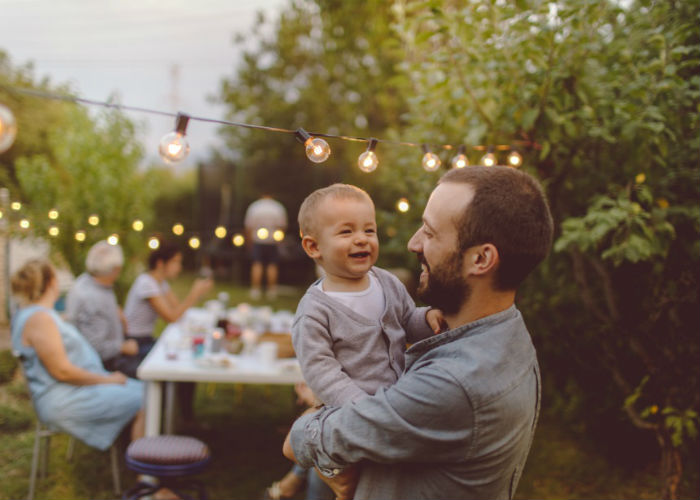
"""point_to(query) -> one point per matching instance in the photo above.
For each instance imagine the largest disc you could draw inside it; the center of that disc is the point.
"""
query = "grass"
(245, 424)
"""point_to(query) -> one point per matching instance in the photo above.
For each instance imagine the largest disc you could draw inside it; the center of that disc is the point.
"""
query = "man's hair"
(103, 258)
(166, 251)
(510, 211)
(308, 212)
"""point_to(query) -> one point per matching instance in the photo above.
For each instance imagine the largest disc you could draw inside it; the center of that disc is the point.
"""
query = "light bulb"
(1, 214)
(24, 224)
(514, 159)
(431, 161)
(194, 242)
(488, 160)
(153, 243)
(220, 232)
(238, 240)
(460, 160)
(178, 229)
(317, 149)
(16, 206)
(53, 214)
(137, 225)
(8, 128)
(263, 233)
(113, 239)
(93, 220)
(173, 146)
(54, 231)
(368, 160)
(403, 205)
(278, 235)
(80, 236)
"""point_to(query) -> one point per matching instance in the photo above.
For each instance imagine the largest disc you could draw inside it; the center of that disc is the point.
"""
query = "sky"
(168, 55)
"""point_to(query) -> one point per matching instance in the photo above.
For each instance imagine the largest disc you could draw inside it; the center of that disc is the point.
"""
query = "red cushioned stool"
(170, 459)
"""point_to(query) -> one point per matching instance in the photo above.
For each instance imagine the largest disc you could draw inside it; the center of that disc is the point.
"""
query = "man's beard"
(445, 289)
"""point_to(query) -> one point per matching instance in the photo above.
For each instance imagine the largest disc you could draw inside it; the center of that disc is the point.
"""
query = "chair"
(170, 459)
(40, 458)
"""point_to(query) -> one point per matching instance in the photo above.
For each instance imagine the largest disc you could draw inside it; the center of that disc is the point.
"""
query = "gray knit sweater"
(343, 354)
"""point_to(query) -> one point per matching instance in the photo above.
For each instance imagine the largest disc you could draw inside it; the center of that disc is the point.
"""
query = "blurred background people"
(150, 295)
(71, 390)
(92, 307)
(264, 220)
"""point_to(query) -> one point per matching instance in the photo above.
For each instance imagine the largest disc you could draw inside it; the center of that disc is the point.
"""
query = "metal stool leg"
(114, 456)
(35, 461)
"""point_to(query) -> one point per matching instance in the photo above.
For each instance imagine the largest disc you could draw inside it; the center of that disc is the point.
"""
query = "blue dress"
(95, 414)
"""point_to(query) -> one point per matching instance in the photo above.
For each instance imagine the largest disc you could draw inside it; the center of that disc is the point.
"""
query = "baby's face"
(347, 237)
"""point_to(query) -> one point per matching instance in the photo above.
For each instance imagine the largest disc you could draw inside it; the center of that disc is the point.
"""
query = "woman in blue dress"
(70, 389)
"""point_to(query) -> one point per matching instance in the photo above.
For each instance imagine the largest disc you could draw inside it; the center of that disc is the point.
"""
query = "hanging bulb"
(460, 160)
(53, 214)
(137, 225)
(220, 232)
(194, 242)
(178, 229)
(93, 220)
(514, 159)
(24, 223)
(431, 161)
(278, 235)
(317, 149)
(368, 160)
(153, 243)
(489, 159)
(262, 233)
(402, 205)
(113, 239)
(80, 236)
(54, 231)
(173, 146)
(16, 206)
(8, 128)
(238, 240)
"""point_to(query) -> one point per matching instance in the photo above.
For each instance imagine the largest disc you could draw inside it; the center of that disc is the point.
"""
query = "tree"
(605, 100)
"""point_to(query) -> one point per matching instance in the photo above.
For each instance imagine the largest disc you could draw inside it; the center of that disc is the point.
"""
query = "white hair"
(104, 258)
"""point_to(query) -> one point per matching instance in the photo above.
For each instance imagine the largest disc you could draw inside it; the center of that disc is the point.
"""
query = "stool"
(168, 458)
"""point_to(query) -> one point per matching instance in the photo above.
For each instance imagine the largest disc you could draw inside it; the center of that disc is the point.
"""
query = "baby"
(351, 327)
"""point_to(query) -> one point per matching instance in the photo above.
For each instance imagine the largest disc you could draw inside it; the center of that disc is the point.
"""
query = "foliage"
(8, 366)
(326, 66)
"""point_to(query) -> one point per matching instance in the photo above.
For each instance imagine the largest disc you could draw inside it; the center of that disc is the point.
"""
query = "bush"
(8, 365)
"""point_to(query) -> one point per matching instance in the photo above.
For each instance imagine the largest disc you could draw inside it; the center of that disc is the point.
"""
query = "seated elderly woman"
(71, 390)
(92, 307)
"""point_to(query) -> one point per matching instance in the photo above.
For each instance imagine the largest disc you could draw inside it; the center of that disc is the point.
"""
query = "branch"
(580, 277)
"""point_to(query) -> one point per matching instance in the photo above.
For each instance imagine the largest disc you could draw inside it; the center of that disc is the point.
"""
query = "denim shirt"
(457, 424)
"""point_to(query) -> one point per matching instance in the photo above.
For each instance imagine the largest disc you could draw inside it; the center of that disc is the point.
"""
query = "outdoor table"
(157, 370)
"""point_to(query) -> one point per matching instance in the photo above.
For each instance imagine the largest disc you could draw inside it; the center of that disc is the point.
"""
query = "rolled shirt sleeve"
(425, 414)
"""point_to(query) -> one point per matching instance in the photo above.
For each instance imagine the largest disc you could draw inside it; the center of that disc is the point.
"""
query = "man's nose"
(414, 243)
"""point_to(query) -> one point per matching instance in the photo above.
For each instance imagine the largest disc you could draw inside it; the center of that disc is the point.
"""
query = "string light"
(194, 242)
(1, 214)
(220, 232)
(54, 231)
(263, 233)
(8, 128)
(368, 160)
(173, 146)
(403, 205)
(93, 220)
(238, 240)
(460, 160)
(178, 229)
(278, 235)
(16, 206)
(53, 214)
(515, 159)
(431, 161)
(80, 236)
(489, 159)
(153, 243)
(317, 149)
(24, 223)
(113, 239)
(137, 225)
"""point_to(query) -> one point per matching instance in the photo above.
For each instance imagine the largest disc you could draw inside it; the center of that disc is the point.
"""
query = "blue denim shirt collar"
(469, 329)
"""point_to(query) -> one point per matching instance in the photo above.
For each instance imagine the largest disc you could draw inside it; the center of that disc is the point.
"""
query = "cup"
(198, 345)
(267, 352)
(171, 347)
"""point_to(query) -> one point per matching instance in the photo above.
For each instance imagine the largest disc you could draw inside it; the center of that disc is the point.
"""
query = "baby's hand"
(436, 320)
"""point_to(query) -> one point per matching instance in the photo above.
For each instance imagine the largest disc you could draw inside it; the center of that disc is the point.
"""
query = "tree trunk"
(671, 465)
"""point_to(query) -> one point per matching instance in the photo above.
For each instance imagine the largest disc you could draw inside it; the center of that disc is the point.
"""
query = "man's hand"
(436, 321)
(343, 484)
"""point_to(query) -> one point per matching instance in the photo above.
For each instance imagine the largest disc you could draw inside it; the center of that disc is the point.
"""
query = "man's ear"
(310, 246)
(481, 259)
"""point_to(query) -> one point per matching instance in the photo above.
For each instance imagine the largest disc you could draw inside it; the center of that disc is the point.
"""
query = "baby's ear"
(310, 246)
